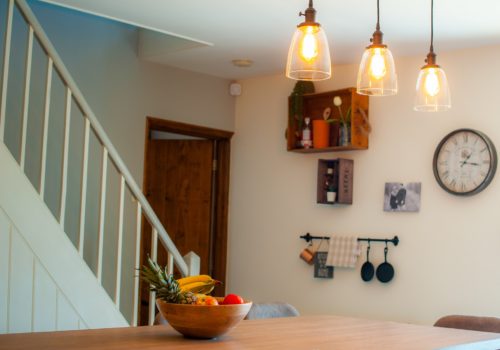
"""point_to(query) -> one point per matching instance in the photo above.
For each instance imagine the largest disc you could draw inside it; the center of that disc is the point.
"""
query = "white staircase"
(49, 279)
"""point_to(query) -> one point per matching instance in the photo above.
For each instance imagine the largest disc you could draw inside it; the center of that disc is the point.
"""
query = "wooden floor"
(316, 332)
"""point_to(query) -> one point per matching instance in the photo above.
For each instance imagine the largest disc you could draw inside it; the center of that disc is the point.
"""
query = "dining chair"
(473, 323)
(271, 310)
(159, 320)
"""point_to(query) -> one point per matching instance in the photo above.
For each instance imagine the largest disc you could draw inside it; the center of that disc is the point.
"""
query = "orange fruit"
(211, 301)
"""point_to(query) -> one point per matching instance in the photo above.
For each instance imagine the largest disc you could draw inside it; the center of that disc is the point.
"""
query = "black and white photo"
(402, 197)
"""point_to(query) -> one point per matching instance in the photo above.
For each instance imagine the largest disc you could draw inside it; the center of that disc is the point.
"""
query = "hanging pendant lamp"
(377, 72)
(433, 93)
(309, 56)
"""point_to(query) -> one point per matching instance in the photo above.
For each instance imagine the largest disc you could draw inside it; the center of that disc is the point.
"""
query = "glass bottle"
(330, 187)
(306, 134)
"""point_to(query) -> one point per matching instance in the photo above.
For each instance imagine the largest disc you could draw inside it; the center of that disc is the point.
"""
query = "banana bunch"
(200, 284)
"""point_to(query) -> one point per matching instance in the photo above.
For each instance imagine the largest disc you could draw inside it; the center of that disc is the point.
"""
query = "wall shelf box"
(314, 106)
(335, 175)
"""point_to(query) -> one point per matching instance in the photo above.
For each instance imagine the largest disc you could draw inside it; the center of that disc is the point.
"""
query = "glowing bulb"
(432, 83)
(377, 64)
(309, 45)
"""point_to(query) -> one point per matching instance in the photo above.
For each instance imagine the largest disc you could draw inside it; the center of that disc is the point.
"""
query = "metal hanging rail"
(308, 238)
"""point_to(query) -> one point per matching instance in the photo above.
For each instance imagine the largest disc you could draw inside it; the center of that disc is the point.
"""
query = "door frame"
(221, 174)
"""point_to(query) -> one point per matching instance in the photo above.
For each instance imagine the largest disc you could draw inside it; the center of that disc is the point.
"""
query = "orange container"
(321, 133)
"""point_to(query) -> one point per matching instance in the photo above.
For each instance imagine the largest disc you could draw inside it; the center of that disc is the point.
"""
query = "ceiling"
(205, 36)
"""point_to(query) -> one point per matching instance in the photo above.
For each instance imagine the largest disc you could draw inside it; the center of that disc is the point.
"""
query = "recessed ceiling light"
(242, 63)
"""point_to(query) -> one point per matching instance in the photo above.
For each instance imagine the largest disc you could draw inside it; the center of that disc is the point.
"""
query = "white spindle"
(6, 64)
(120, 242)
(45, 132)
(64, 175)
(26, 97)
(73, 93)
(152, 295)
(102, 212)
(137, 262)
(83, 191)
(170, 263)
(101, 134)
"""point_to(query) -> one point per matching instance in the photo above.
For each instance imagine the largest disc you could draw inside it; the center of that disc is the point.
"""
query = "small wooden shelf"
(313, 107)
(327, 149)
(340, 180)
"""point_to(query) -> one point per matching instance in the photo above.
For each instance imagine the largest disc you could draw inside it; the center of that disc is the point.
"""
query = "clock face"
(465, 162)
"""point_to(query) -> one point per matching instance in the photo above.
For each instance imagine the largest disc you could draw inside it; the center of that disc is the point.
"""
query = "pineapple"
(165, 285)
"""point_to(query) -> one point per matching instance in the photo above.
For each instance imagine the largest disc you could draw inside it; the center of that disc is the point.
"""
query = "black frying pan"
(385, 271)
(367, 270)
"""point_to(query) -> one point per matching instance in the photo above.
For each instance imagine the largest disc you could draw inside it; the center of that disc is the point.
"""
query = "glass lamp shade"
(377, 72)
(433, 93)
(309, 55)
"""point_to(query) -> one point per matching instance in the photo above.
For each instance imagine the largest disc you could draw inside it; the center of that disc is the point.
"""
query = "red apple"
(232, 299)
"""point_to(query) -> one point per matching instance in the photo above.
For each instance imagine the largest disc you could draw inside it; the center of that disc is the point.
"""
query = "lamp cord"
(432, 26)
(378, 15)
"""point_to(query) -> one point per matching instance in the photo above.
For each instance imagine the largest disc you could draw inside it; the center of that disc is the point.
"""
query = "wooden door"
(178, 185)
(187, 184)
(179, 188)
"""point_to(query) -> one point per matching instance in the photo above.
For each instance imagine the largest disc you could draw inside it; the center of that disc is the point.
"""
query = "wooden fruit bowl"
(203, 321)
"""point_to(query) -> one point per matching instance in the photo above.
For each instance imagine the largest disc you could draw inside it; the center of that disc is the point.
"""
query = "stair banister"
(94, 123)
(6, 65)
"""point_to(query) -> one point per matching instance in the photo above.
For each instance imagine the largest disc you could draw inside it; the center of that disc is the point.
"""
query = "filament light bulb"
(377, 65)
(309, 48)
(432, 83)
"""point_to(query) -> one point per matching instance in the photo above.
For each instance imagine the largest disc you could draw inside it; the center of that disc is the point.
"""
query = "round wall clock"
(465, 162)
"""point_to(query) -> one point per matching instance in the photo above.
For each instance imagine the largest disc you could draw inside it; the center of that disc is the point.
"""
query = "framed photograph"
(320, 268)
(402, 197)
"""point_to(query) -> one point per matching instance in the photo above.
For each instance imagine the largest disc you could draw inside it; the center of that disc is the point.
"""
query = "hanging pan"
(385, 271)
(367, 270)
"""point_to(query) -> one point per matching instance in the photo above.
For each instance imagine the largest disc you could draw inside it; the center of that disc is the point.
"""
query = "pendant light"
(309, 56)
(433, 93)
(377, 72)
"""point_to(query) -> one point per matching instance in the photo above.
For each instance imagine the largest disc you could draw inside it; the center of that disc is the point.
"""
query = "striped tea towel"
(343, 251)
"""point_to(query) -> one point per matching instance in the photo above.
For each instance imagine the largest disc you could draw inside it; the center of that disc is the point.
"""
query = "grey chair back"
(271, 310)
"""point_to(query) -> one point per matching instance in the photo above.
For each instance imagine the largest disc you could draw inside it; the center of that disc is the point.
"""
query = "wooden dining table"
(304, 332)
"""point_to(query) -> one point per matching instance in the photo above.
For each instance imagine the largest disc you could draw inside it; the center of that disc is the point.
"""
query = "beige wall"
(448, 258)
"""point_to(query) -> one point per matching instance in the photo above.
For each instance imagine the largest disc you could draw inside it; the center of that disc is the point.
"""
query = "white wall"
(447, 260)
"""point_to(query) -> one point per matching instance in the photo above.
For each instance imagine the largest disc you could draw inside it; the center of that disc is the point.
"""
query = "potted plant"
(296, 117)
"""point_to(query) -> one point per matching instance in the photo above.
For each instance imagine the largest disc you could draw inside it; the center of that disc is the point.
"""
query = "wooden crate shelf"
(314, 106)
(339, 181)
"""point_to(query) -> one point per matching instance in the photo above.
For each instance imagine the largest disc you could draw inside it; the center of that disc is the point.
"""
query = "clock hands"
(466, 159)
(470, 163)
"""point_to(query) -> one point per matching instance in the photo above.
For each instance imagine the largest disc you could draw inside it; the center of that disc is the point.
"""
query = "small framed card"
(320, 268)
